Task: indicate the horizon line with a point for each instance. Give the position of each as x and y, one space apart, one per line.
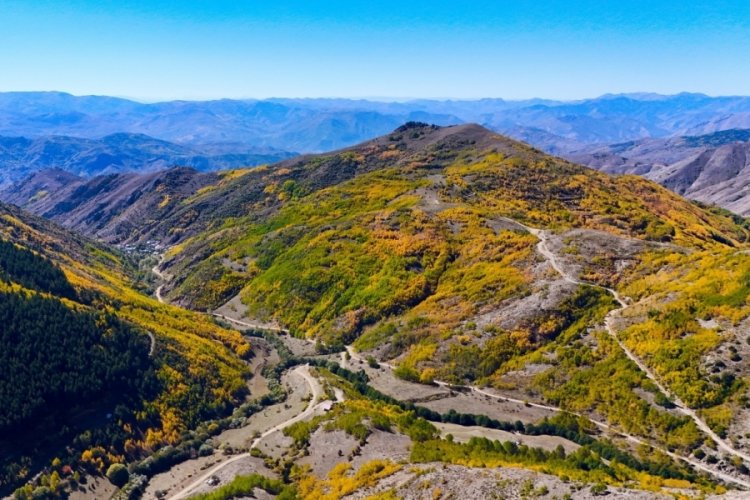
644 95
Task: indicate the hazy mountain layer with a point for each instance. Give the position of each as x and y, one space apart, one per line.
121 152
309 125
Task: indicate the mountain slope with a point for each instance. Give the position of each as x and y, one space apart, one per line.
711 168
81 343
457 255
113 208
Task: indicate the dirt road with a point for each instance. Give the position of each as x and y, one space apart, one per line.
317 393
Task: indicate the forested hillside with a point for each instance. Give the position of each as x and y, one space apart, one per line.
98 373
458 255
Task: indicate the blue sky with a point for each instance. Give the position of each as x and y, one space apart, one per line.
187 49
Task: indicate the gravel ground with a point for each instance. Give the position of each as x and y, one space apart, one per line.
454 481
330 448
384 381
96 488
327 449
246 465
482 405
462 434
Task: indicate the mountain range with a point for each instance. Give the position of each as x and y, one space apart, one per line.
120 152
438 302
313 125
710 168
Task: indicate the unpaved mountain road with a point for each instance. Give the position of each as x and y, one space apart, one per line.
552 258
256 325
602 425
317 393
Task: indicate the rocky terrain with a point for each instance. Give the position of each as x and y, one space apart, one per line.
712 168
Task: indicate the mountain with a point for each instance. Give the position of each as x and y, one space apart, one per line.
121 152
438 302
114 208
453 255
710 168
314 125
254 124
94 371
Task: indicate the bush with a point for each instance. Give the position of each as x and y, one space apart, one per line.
118 475
599 489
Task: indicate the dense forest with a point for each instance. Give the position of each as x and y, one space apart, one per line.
67 366
57 358
32 271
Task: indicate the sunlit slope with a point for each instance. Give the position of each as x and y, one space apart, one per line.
418 222
416 247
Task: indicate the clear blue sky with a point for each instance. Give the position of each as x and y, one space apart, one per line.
396 49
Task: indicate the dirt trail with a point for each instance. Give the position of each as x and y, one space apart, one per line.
602 425
155 270
153 344
550 256
257 325
317 393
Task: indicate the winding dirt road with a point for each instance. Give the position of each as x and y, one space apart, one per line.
153 343
257 326
155 270
550 256
317 393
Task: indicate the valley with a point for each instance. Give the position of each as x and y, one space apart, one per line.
374 250
431 302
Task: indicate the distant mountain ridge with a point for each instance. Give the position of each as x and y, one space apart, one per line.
114 207
315 125
120 152
712 168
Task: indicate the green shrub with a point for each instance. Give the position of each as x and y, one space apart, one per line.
118 475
